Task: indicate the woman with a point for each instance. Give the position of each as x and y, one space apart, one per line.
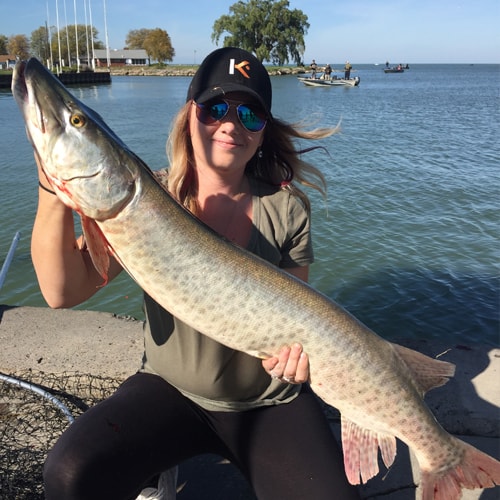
231 164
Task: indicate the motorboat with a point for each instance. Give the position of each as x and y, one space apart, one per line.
331 82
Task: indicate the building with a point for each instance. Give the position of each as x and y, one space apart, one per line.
122 57
7 61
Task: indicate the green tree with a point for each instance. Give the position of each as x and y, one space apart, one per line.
267 28
158 45
135 38
40 44
3 44
84 35
19 46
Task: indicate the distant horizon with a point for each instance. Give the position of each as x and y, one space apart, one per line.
306 63
356 63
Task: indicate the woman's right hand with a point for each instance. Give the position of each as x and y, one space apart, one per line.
63 266
290 365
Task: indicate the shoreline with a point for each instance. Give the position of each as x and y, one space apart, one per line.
185 71
58 341
104 75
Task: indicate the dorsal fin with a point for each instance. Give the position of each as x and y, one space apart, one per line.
427 372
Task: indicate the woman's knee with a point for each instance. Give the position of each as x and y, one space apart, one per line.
62 476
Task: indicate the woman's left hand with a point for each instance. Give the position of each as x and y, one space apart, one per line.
291 365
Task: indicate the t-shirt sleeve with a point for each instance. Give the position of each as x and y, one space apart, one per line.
297 247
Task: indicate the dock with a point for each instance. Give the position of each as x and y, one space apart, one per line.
82 78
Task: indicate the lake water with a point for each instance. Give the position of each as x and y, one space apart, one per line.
409 237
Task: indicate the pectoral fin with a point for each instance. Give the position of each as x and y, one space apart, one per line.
97 246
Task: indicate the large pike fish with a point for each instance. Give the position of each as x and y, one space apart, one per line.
240 300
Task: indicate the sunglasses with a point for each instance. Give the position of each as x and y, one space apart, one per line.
252 117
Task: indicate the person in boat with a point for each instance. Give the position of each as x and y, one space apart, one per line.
235 166
314 68
328 72
347 70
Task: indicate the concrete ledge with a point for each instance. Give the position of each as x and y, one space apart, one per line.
57 341
62 340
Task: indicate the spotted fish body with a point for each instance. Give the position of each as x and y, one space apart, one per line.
240 300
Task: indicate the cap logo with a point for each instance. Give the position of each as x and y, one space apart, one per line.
241 67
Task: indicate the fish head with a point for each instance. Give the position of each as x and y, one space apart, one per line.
89 167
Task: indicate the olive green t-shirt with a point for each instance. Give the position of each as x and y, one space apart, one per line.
214 376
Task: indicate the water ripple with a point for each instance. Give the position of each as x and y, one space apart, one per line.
409 237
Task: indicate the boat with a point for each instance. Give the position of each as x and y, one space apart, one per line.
395 69
333 82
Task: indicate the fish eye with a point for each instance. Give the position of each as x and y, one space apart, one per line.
77 120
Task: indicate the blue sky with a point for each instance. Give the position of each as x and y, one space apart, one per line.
363 31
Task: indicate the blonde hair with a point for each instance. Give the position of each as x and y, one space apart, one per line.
278 162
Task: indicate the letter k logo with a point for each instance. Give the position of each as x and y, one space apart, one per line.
242 67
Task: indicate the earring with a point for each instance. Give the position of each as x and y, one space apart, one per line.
260 154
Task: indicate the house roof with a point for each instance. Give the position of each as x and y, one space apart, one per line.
121 54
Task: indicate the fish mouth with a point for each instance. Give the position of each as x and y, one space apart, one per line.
19 87
38 115
25 98
80 177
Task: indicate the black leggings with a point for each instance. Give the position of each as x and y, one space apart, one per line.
148 426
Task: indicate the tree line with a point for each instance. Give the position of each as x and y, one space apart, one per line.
49 44
268 28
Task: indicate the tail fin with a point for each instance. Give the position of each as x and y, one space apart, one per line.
476 470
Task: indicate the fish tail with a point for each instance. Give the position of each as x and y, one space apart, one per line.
475 470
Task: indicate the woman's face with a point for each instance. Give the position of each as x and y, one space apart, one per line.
224 145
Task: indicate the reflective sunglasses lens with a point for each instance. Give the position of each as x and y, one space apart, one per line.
218 110
252 120
210 113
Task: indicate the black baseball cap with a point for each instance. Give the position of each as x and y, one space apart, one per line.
231 70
